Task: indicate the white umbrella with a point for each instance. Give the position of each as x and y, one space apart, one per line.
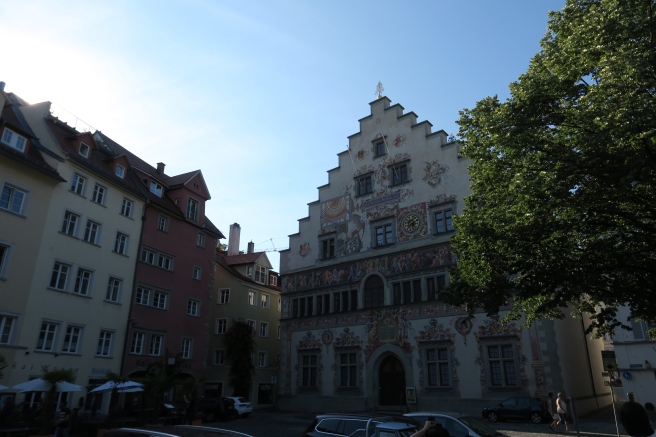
41 385
2 387
121 386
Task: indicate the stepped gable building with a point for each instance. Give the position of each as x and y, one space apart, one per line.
244 289
364 324
171 299
73 245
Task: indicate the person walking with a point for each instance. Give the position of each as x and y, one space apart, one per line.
190 400
551 406
561 409
63 421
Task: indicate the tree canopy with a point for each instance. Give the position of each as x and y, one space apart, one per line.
240 345
563 210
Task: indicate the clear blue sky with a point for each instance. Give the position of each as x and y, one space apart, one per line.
261 95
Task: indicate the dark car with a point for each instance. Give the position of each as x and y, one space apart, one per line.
211 410
518 408
348 424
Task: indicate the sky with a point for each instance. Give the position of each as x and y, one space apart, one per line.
260 95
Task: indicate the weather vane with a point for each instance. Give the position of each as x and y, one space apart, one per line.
379 89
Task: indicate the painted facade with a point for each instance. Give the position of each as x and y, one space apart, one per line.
243 290
363 322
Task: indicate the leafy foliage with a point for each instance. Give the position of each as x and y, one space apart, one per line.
563 209
52 377
240 345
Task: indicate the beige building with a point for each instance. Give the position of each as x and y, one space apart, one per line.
364 322
244 290
76 296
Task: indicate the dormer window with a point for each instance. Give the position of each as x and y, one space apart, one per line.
192 209
12 139
260 274
156 189
84 150
120 171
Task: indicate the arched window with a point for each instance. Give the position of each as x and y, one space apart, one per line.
374 292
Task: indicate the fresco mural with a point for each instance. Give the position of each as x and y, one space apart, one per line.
436 174
388 326
400 262
419 227
433 332
335 211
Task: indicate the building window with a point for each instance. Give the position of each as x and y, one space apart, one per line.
137 345
264 329
104 348
120 171
84 150
261 359
185 351
251 323
279 304
192 209
91 232
443 221
82 282
13 140
406 292
328 248
99 194
260 274
114 290
156 189
196 273
348 369
278 335
379 148
308 371
224 295
70 223
163 223
159 300
77 185
72 339
156 342
398 174
273 280
200 240
219 357
221 326
384 234
434 286
12 199
143 296
165 262
6 329
121 243
363 185
252 296
437 366
126 207
59 276
156 258
501 364
193 307
264 298
46 341
374 292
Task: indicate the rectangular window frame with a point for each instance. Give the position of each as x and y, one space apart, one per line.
186 348
399 173
501 372
121 243
7 325
105 345
72 339
69 225
127 206
13 199
224 296
83 282
328 246
137 343
261 359
196 273
442 220
193 209
78 184
221 325
193 308
438 359
309 364
218 357
99 194
59 276
364 184
14 140
264 300
347 368
92 232
114 289
156 344
47 340
264 330
252 298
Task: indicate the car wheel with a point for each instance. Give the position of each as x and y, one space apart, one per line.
492 416
209 417
536 418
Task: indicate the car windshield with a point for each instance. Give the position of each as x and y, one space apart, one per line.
479 427
407 432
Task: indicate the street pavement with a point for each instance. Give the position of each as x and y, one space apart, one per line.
271 423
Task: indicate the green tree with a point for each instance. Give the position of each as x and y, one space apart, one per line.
52 377
563 209
240 345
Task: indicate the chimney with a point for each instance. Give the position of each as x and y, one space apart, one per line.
233 239
160 168
251 247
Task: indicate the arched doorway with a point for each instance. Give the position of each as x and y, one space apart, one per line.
391 380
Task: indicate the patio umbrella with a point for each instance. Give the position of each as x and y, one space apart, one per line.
41 385
2 387
121 386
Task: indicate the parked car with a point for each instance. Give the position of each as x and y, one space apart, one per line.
518 408
172 411
242 405
458 425
330 424
213 409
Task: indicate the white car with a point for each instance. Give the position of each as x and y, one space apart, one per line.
242 405
458 425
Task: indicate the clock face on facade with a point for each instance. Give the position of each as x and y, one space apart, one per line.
411 222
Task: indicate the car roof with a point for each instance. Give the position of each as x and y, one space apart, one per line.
395 425
435 413
353 416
